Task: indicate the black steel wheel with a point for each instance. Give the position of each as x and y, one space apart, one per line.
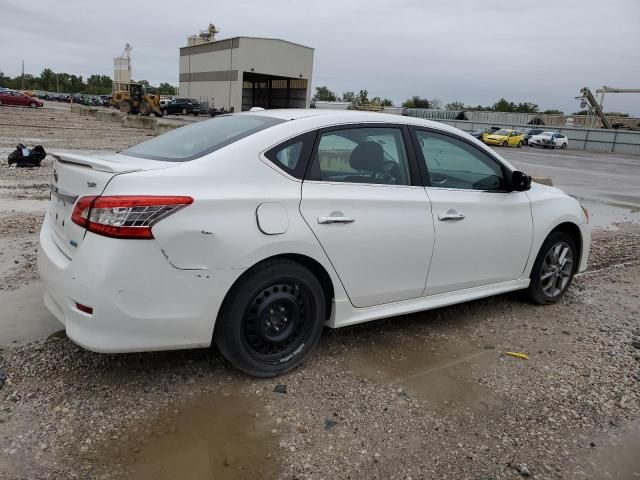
271 319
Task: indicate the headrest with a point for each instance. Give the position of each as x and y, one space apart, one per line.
367 156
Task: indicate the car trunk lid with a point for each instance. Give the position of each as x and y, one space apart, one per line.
78 175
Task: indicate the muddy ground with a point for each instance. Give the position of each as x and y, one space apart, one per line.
424 396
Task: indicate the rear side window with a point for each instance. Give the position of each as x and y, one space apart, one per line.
198 139
292 156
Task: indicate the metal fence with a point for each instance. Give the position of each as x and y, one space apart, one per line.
596 139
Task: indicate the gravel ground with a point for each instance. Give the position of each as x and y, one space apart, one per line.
424 396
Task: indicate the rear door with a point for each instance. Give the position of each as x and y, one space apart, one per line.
483 231
364 203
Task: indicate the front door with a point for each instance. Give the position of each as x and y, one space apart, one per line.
483 232
374 225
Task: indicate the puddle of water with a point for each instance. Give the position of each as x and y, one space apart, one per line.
605 216
217 437
439 371
618 457
23 316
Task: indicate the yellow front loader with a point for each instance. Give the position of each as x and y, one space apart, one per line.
133 99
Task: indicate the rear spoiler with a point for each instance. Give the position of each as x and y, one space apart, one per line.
108 164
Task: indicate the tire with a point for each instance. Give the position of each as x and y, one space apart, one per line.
33 105
144 109
165 112
125 107
185 111
505 144
563 146
0 103
272 319
520 144
558 276
195 114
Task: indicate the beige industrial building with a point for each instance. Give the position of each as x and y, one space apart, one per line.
244 72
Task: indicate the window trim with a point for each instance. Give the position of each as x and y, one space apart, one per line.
308 140
422 163
412 162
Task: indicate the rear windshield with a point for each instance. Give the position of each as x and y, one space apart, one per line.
198 139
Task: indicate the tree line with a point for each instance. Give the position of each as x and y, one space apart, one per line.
51 81
323 93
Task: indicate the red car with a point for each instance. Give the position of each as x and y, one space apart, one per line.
10 97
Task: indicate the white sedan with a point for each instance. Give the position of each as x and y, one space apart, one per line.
253 231
549 140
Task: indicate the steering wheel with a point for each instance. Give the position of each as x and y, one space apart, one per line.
384 174
438 178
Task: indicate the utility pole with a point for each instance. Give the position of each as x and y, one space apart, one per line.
22 74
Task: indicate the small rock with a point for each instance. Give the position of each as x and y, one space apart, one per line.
329 424
280 388
302 429
636 344
230 460
84 449
44 447
523 470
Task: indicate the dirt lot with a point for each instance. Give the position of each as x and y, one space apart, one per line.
425 396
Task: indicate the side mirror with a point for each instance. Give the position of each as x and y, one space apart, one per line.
520 181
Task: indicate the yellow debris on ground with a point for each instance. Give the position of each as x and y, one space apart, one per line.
523 356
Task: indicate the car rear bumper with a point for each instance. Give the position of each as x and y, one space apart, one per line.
140 301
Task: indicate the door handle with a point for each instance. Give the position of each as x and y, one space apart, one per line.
336 220
452 215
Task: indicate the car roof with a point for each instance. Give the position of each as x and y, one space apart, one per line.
332 117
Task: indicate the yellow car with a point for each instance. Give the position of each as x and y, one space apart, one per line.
505 138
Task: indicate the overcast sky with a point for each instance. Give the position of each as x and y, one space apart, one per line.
466 50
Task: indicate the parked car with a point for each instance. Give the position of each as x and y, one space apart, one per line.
213 111
483 132
165 100
182 106
255 230
549 140
11 97
505 138
530 132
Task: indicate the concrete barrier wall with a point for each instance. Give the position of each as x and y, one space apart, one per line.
134 121
109 116
157 125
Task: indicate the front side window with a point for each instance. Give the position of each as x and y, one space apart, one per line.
374 155
453 163
198 139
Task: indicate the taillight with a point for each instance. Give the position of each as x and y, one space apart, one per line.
125 216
